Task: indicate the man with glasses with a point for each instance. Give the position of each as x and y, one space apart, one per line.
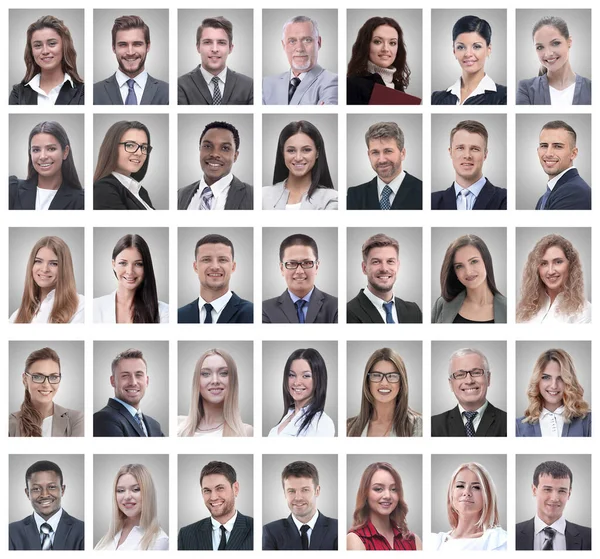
301 302
469 379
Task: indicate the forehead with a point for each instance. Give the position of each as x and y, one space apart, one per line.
44 366
218 135
551 368
213 480
467 475
43 478
300 365
131 253
298 252
44 34
135 135
135 35
549 135
383 143
47 253
214 362
555 482
384 366
383 477
130 365
553 252
469 38
43 139
214 34
546 33
213 249
299 140
385 32
466 253
464 137
294 482
472 360
382 253
126 480
299 29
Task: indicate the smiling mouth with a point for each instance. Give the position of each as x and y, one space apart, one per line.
474 389
384 391
552 393
214 164
299 390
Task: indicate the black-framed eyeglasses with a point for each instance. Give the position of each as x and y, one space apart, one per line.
304 264
38 378
392 378
132 147
461 374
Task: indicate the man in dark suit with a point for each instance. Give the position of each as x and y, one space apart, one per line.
557 150
377 304
471 190
131 84
212 82
301 302
474 416
218 189
49 527
393 188
548 530
214 263
122 416
226 528
306 528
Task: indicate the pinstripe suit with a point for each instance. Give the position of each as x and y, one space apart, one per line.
198 536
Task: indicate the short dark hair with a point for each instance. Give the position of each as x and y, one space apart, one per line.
554 469
226 126
218 22
472 126
43 466
378 241
213 239
130 353
124 23
562 125
300 469
222 468
472 24
298 239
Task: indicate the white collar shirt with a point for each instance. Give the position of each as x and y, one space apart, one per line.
394 185
552 423
50 97
134 539
208 77
299 76
216 530
218 306
132 185
560 540
45 309
220 190
43 198
552 183
486 84
53 521
477 418
475 189
311 525
378 304
549 313
139 84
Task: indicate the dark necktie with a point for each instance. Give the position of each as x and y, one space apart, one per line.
545 198
304 535
223 542
208 308
131 96
300 310
384 202
46 530
294 83
549 541
469 428
140 422
216 92
389 317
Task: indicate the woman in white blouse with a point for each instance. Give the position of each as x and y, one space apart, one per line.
304 394
134 524
552 290
50 293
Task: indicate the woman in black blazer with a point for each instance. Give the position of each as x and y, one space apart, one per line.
122 164
51 67
52 182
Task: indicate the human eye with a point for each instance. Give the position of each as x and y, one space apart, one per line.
226 148
457 266
308 40
393 43
53 263
476 487
35 490
205 374
307 375
122 263
291 41
291 374
139 264
556 43
35 149
459 47
459 485
224 374
307 149
376 41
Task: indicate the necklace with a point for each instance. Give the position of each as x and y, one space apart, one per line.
211 428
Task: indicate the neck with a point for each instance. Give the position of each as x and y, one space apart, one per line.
125 296
466 527
472 406
386 296
209 295
226 517
384 412
131 522
49 79
553 294
132 74
552 407
466 183
44 292
50 183
301 294
298 184
213 414
215 72
481 295
45 410
471 81
299 404
382 523
562 77
306 518
48 516
548 520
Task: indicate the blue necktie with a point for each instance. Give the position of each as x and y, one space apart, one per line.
389 317
465 197
208 308
299 310
545 198
140 422
469 428
206 198
131 96
384 203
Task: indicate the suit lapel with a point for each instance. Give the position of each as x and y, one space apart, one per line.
125 413
62 198
31 533
488 419
205 535
59 422
314 307
373 196
66 94
291 532
316 538
149 91
287 307
369 309
306 84
230 80
189 194
112 90
229 311
200 83
62 532
484 196
235 192
27 194
526 535
573 538
456 427
239 533
449 199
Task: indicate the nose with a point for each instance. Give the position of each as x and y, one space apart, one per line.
214 378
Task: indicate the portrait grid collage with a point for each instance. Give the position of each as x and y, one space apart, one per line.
281 340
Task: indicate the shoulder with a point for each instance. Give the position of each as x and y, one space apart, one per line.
186 78
412 180
108 181
16 94
274 79
325 425
241 79
442 98
581 529
326 197
353 542
194 527
163 311
495 538
160 83
526 523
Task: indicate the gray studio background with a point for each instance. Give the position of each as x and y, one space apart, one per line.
410 468
580 238
358 353
411 23
156 181
327 243
273 124
190 503
105 239
243 355
242 281
156 353
73 479
70 390
442 397
579 22
445 69
274 57
527 354
275 356
274 501
443 237
21 241
106 467
442 468
494 167
530 177
241 57
105 60
409 284
579 507
358 165
190 128
21 125
20 20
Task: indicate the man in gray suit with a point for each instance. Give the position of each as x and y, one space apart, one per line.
306 83
218 189
131 84
212 82
301 302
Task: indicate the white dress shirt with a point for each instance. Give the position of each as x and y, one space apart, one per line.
133 186
50 97
394 185
138 86
134 538
44 197
105 309
552 423
220 190
43 313
550 313
476 419
53 521
378 304
320 426
311 525
560 540
564 97
216 530
47 426
208 79
218 306
486 84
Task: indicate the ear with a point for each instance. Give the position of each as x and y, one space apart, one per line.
198 47
230 48
147 380
574 153
236 156
489 376
485 154
282 268
236 488
403 154
319 42
363 265
148 47
195 266
283 44
233 266
62 489
533 490
66 152
27 493
450 151
112 381
317 490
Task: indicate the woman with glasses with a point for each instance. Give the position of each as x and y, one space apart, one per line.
384 409
122 163
39 416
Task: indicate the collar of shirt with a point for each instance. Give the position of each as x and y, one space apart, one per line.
378 304
474 189
295 297
552 183
216 530
486 84
219 188
394 185
34 83
560 525
299 76
477 419
53 520
128 407
132 185
311 523
140 79
218 304
557 411
208 76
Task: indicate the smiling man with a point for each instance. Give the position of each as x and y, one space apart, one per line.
131 84
122 416
49 527
469 378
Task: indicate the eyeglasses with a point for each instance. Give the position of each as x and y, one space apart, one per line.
38 378
392 378
460 374
305 264
132 147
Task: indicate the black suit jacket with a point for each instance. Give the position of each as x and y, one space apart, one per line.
106 92
22 94
110 194
360 88
283 534
450 423
239 197
22 194
490 198
579 538
237 310
198 536
497 97
114 420
361 310
408 197
323 308
571 192
23 535
192 89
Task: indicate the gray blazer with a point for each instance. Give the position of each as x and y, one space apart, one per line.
106 92
322 309
239 197
66 423
318 87
275 198
446 311
535 91
193 90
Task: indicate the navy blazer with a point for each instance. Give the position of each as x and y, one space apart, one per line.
361 310
536 91
365 196
490 198
237 310
23 535
446 97
571 192
239 197
450 423
283 534
323 308
22 94
106 92
22 195
110 194
198 536
579 427
114 420
579 538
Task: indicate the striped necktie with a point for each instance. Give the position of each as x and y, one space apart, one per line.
469 427
216 92
46 531
206 198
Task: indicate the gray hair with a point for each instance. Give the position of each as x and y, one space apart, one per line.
385 130
468 351
300 19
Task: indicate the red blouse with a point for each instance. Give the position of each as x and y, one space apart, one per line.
374 541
